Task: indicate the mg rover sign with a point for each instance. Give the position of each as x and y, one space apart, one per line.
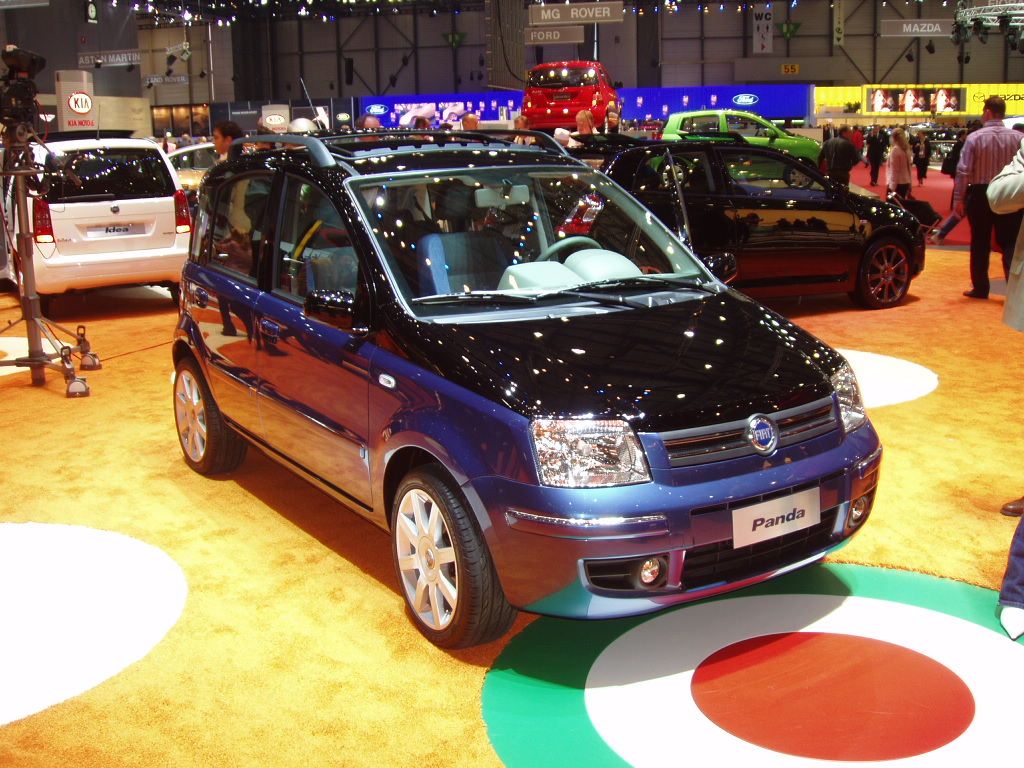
76 107
576 13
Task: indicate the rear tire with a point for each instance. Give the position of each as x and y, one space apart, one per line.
883 279
443 565
208 444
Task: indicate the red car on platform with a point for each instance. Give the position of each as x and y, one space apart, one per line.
556 91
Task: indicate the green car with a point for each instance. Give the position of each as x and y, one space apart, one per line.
754 128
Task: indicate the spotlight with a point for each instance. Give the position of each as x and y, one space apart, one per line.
98 63
930 47
171 58
202 73
1004 23
149 85
130 68
964 58
980 31
909 56
1013 38
169 72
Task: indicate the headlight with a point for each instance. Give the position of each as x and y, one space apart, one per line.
588 453
851 406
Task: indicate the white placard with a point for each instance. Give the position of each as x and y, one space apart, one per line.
763 29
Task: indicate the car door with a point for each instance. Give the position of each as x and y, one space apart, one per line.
224 294
756 131
313 376
709 224
793 227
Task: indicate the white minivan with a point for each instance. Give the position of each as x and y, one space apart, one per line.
117 216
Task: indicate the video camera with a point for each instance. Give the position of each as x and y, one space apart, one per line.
18 98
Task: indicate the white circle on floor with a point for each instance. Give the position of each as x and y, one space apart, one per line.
640 683
77 606
888 380
12 347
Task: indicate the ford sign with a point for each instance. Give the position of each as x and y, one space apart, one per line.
745 99
377 109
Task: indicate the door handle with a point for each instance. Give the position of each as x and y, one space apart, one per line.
202 298
270 330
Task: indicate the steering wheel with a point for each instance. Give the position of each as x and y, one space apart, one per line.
575 242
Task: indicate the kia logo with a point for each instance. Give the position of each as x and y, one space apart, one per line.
274 120
377 109
80 103
745 99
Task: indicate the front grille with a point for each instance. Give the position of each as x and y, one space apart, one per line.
718 442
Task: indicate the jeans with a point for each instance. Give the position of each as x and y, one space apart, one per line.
1012 593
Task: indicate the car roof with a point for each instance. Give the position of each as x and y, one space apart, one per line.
575 64
383 152
189 148
740 112
83 143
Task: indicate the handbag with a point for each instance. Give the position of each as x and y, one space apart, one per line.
1013 309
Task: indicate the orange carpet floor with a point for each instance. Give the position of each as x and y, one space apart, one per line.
293 648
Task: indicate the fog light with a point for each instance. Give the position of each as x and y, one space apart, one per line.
650 571
859 510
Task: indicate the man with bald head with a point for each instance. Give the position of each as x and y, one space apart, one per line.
470 122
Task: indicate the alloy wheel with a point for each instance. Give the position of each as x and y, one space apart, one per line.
888 274
190 415
427 560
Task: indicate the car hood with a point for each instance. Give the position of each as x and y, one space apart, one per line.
882 213
703 360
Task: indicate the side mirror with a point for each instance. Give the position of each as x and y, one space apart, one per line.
336 308
722 265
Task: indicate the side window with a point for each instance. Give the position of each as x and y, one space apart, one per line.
314 249
694 171
238 223
759 175
745 126
702 124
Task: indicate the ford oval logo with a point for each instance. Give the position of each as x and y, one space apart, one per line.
745 99
763 434
377 109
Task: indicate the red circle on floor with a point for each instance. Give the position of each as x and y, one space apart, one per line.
832 697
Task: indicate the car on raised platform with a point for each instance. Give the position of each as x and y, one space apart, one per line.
792 231
497 355
558 90
754 128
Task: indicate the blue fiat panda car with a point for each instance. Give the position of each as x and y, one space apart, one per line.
502 359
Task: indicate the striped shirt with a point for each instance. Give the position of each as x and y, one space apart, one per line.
985 153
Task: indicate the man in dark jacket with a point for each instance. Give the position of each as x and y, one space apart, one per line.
876 143
838 156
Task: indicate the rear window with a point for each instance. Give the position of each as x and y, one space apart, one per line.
563 77
111 174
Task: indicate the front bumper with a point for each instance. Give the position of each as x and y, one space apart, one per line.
548 564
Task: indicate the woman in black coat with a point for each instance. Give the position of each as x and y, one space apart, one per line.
922 155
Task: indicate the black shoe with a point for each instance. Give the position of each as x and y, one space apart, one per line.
975 294
1013 508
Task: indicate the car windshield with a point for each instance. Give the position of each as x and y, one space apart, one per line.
104 173
563 77
478 238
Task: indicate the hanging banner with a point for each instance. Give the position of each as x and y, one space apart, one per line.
762 28
838 22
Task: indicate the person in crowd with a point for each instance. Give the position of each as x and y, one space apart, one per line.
611 121
949 163
1005 195
585 123
897 169
445 127
876 144
985 152
857 139
838 156
421 123
922 156
367 122
563 137
168 143
522 123
186 141
224 133
470 121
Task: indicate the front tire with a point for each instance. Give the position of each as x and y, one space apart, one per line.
443 565
883 279
208 444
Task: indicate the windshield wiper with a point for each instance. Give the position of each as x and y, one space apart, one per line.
474 298
707 286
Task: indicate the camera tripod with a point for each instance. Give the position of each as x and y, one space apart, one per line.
19 164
